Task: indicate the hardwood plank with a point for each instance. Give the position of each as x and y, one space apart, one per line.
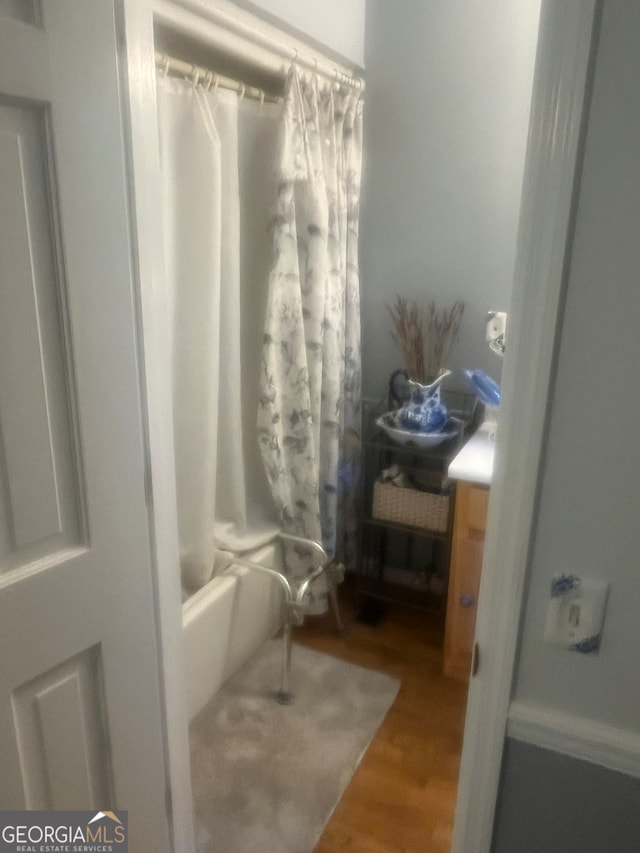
402 797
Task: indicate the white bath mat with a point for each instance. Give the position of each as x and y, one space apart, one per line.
266 777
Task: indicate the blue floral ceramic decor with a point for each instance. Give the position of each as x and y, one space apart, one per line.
562 584
575 614
410 438
424 412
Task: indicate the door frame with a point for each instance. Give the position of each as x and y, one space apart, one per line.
137 72
561 89
561 84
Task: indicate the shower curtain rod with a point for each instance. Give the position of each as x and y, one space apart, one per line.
170 64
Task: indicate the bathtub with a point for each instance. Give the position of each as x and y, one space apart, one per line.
225 622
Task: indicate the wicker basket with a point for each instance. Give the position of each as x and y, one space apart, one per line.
411 507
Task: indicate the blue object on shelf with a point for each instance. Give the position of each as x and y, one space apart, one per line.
484 387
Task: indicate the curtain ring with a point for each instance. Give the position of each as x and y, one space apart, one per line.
164 67
195 75
208 80
261 98
241 92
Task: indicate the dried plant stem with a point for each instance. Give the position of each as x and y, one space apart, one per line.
424 337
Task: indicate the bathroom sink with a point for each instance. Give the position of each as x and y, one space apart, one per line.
474 462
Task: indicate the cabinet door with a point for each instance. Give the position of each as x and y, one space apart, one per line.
472 502
462 607
477 506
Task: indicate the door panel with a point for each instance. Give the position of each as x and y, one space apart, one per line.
80 708
39 508
62 736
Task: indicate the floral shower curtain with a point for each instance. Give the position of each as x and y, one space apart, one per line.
309 412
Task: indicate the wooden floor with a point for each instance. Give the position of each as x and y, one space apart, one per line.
402 796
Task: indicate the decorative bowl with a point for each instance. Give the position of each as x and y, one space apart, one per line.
411 438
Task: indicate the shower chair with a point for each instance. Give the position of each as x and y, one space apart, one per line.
294 607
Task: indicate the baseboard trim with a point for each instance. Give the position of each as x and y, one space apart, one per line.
578 737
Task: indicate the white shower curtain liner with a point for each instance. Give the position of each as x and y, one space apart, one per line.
223 501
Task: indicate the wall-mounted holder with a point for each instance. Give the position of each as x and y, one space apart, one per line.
575 615
496 331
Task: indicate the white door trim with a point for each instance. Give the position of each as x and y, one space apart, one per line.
238 32
139 89
556 131
228 27
578 737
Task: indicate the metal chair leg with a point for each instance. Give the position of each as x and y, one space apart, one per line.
335 575
284 696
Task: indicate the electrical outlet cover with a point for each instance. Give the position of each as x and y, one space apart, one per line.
575 615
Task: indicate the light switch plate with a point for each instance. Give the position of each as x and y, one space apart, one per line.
575 615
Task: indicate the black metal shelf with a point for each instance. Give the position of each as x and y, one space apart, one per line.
409 596
405 528
417 549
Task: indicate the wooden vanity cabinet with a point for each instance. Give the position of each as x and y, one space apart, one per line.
467 547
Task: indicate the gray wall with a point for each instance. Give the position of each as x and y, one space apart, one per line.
590 497
554 804
446 119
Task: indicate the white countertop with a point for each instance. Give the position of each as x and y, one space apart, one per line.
474 462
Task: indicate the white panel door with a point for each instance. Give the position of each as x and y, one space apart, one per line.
80 707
